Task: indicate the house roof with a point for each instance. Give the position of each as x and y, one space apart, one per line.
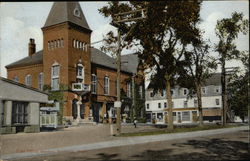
215 79
97 57
22 85
65 12
131 61
36 58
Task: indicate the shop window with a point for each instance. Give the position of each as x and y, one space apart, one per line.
19 112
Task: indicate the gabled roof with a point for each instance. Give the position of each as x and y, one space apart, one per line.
64 12
100 58
36 58
97 57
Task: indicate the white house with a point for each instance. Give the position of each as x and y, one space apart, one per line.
184 106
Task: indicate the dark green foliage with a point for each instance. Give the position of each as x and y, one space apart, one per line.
58 96
239 91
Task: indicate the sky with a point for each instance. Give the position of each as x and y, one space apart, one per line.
20 21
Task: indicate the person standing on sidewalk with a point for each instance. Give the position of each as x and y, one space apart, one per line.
135 121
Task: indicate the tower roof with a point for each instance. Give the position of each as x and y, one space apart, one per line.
66 12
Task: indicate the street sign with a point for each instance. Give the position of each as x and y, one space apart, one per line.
117 104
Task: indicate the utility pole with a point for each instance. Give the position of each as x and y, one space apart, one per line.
121 18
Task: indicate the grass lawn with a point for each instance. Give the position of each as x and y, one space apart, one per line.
176 130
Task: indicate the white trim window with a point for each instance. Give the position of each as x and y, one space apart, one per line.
159 105
128 89
106 85
28 80
217 102
203 90
185 92
40 81
93 83
185 103
217 89
163 93
195 103
55 71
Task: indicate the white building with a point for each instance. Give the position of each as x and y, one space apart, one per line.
184 106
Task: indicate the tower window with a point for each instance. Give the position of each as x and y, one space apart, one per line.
62 43
55 77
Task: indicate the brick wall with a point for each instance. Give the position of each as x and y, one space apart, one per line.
21 72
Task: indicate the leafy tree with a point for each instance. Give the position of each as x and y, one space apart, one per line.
199 67
227 31
239 91
162 37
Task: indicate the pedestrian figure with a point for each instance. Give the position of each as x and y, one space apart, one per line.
135 121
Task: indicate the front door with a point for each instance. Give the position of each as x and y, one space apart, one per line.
95 110
74 108
179 117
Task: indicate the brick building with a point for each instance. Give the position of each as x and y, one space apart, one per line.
69 65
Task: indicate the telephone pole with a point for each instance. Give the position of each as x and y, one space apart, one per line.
121 18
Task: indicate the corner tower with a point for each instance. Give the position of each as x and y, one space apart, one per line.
66 39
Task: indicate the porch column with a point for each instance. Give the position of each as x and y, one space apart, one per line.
8 114
1 111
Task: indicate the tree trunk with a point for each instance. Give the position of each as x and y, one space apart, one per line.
198 88
170 107
223 89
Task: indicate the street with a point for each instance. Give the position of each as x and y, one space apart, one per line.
221 144
230 146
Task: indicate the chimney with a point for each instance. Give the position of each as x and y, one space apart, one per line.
32 47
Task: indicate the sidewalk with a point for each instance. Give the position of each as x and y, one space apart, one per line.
122 142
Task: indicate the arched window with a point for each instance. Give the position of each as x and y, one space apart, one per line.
52 45
62 43
48 45
106 85
93 83
58 43
40 81
80 73
77 44
28 80
74 43
55 44
80 45
55 75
